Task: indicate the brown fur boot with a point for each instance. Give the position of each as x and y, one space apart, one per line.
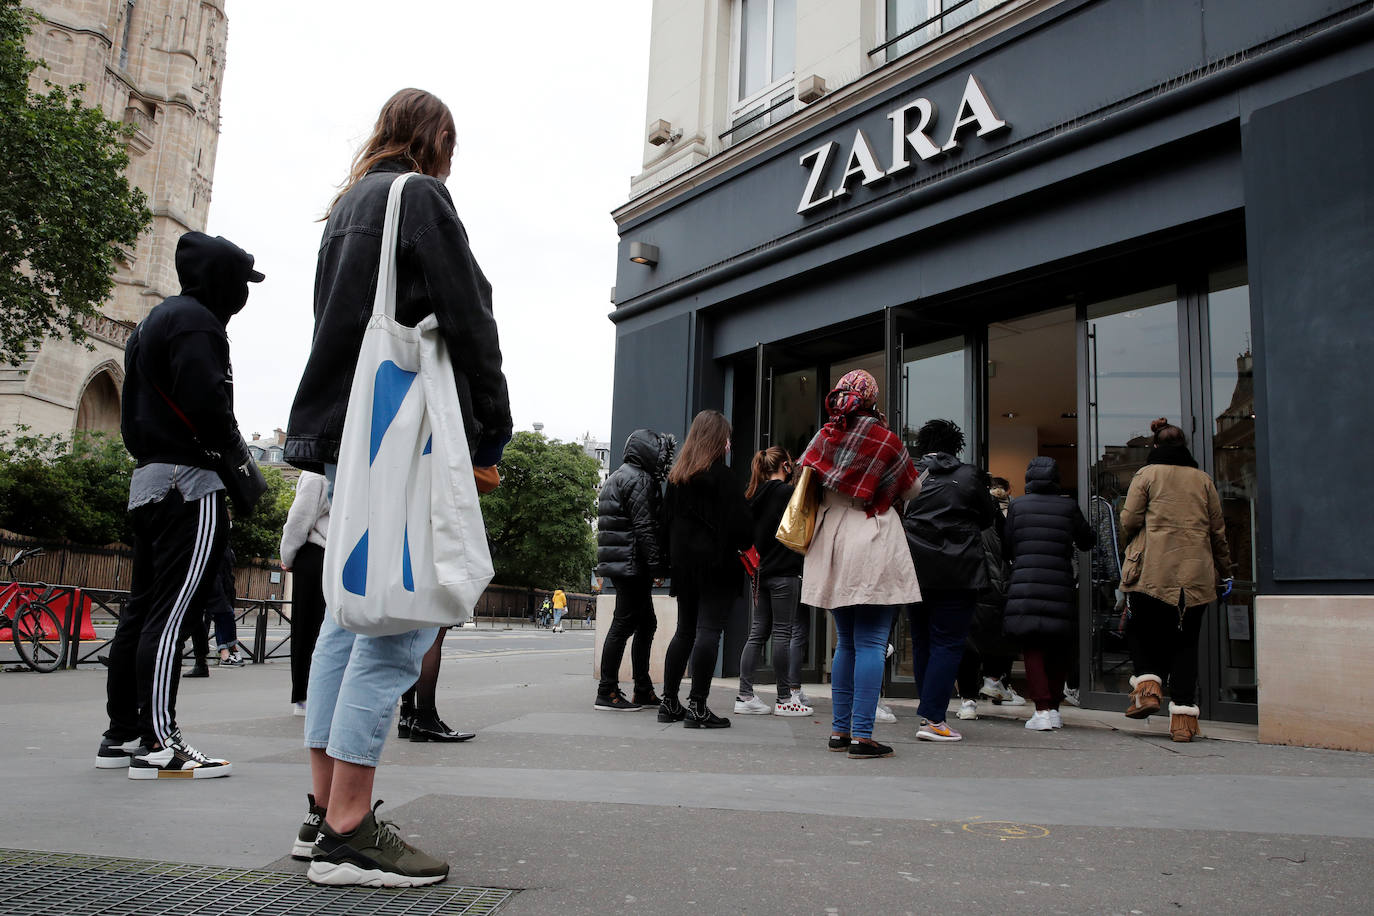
1183 722
1147 695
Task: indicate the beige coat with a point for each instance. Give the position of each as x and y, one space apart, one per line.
854 559
1176 537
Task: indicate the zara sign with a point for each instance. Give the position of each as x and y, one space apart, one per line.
911 128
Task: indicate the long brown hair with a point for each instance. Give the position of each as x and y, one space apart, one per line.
414 125
705 446
766 463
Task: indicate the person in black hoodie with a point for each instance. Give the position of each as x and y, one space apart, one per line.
778 595
944 528
177 419
708 524
631 553
1043 528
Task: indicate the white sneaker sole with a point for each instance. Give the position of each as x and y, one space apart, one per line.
614 709
301 849
1047 727
931 736
747 711
793 713
112 763
193 773
966 716
344 874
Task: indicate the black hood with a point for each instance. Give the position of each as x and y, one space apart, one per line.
648 451
939 463
1042 475
215 272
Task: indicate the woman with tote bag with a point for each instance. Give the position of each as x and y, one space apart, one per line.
393 200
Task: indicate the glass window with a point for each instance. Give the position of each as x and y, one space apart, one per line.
934 386
904 15
753 47
1232 384
765 51
1133 378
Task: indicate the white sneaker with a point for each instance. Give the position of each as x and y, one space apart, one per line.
968 709
752 707
1071 696
297 709
993 689
884 714
1056 719
1012 698
1040 722
800 696
791 707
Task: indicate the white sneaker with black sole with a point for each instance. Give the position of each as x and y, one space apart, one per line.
178 760
115 755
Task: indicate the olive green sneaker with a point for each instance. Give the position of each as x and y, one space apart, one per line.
304 845
373 855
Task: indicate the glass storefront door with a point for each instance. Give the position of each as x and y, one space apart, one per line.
1133 377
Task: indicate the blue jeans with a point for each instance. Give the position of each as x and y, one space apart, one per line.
939 626
558 613
856 673
355 683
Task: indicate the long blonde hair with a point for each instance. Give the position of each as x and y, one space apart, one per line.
766 463
413 125
705 446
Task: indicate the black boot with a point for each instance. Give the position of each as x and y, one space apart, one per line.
698 716
199 669
670 710
403 721
427 726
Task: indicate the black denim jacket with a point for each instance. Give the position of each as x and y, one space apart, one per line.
436 273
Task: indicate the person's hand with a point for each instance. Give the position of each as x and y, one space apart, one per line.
284 567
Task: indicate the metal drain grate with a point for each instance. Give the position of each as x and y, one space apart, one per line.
48 883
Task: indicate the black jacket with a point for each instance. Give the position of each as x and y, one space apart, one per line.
436 274
1043 527
767 506
944 524
629 513
708 524
181 351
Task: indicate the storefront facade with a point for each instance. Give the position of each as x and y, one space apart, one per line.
1085 216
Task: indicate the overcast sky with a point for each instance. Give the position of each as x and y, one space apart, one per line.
550 112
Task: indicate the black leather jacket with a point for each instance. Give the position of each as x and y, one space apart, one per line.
945 523
629 539
436 273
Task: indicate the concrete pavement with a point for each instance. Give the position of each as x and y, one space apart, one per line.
597 812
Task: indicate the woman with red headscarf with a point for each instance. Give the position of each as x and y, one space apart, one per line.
858 566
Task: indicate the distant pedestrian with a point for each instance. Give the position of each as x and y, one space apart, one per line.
1043 528
708 524
779 590
560 607
303 540
356 680
858 566
177 420
1176 552
631 551
985 671
219 610
944 527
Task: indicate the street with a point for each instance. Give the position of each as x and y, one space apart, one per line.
586 811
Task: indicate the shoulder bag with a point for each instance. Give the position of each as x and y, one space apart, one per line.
798 523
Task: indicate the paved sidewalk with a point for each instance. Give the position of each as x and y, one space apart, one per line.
595 812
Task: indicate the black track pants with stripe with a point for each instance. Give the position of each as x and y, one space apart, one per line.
178 546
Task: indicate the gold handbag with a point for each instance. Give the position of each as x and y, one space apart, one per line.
799 518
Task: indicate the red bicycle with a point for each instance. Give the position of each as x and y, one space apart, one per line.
35 628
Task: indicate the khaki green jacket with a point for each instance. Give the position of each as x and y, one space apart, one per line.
1176 535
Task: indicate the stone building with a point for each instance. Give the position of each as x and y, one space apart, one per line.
156 65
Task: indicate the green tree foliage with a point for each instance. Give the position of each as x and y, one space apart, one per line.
539 521
259 534
66 210
67 489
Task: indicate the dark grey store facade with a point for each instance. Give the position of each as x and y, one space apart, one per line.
1163 209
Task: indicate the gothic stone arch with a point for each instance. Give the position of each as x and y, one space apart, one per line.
97 410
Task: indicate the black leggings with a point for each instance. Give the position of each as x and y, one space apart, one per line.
701 617
1164 643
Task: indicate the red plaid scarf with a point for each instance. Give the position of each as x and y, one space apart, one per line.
857 455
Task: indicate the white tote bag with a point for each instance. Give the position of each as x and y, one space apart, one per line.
407 546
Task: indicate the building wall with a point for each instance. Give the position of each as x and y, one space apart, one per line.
157 65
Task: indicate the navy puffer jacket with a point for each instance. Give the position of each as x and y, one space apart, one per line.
1042 529
629 535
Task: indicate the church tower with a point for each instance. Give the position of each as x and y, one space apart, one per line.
158 66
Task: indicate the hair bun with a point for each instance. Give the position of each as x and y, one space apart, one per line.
1157 425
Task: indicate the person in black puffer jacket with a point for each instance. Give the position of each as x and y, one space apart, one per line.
944 529
631 552
1043 528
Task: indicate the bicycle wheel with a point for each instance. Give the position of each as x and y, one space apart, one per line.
39 637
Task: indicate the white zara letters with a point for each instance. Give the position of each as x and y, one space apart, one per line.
911 126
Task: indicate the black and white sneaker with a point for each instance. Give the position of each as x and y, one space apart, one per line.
310 829
115 755
615 702
177 760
